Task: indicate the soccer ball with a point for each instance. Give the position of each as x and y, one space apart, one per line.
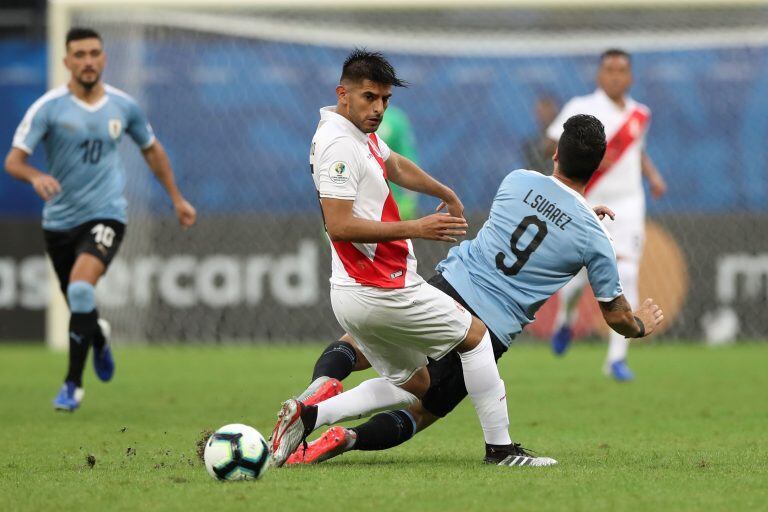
236 452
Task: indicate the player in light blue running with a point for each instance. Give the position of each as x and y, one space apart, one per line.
81 125
539 234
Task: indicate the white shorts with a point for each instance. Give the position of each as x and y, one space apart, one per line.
628 237
397 329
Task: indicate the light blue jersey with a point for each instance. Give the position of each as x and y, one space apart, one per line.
538 235
81 149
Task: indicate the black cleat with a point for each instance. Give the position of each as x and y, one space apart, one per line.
514 455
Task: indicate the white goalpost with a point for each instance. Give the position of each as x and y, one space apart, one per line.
227 86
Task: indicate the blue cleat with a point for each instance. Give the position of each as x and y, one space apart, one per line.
620 371
103 363
69 397
561 340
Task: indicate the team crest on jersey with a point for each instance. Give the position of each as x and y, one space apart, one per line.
339 173
115 128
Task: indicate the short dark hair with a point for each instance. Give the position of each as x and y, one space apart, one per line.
581 147
615 52
78 33
362 64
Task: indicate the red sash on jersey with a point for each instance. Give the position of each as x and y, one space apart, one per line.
632 129
390 261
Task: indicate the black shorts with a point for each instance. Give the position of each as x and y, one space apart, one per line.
446 388
101 238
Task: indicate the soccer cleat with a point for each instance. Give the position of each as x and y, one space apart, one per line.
103 363
514 455
619 371
289 432
69 397
321 389
334 442
561 340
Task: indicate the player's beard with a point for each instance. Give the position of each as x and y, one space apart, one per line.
88 85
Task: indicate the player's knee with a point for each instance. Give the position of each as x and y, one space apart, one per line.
418 384
474 335
81 296
361 362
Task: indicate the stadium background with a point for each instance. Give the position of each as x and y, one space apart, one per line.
233 94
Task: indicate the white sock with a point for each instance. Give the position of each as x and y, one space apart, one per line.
618 346
486 390
567 306
371 396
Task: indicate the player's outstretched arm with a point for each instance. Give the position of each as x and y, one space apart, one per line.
343 226
404 172
633 324
44 184
652 174
157 160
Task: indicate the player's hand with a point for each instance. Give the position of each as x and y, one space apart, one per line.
454 206
440 226
46 186
658 186
650 314
185 212
601 211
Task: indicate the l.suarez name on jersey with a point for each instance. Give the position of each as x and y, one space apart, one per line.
547 209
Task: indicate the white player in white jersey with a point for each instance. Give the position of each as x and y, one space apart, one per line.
396 319
618 183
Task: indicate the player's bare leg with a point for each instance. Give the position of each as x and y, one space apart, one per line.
84 328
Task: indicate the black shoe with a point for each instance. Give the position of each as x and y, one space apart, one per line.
514 455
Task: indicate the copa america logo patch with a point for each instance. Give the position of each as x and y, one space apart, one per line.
339 173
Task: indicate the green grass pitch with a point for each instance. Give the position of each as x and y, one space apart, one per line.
689 434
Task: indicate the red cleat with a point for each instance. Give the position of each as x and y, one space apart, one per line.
320 390
334 442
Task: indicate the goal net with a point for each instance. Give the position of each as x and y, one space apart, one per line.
233 93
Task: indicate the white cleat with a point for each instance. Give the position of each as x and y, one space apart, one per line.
288 433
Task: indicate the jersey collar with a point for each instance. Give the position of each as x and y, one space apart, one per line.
628 101
329 114
90 107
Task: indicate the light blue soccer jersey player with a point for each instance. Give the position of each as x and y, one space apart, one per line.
80 126
540 232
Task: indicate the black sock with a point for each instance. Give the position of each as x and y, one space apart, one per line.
309 417
337 361
82 330
385 430
98 337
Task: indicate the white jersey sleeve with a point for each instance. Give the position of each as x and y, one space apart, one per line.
555 130
338 170
384 149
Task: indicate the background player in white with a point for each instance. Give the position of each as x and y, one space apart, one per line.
81 124
540 232
618 184
396 319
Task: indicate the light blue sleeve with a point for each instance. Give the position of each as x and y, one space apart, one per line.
600 260
138 126
32 129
